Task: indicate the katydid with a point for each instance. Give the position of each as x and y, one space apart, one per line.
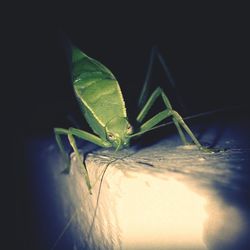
102 104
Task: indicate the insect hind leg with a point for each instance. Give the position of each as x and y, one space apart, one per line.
169 112
154 55
177 118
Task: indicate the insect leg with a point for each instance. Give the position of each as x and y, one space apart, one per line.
179 119
58 132
145 90
81 163
149 125
89 137
159 93
83 135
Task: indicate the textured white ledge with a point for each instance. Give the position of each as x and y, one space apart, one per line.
160 197
140 207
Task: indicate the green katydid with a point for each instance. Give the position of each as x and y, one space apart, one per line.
103 107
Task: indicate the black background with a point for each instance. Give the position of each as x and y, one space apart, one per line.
206 47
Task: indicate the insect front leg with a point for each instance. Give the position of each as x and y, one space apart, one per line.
83 135
58 133
81 162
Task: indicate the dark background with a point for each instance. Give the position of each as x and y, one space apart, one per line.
206 47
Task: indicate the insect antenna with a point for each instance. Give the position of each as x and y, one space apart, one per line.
98 198
64 230
99 191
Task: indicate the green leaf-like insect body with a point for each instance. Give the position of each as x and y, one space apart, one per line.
102 103
100 98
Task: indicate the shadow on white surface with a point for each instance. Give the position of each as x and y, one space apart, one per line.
163 196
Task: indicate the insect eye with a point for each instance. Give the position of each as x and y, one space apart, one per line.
129 129
111 136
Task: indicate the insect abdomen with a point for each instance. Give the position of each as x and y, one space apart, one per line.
96 89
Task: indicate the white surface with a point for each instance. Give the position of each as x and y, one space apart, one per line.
160 197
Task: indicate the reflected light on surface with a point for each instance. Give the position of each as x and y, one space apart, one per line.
185 202
164 214
160 197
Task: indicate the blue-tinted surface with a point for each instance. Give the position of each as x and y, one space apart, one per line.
228 173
